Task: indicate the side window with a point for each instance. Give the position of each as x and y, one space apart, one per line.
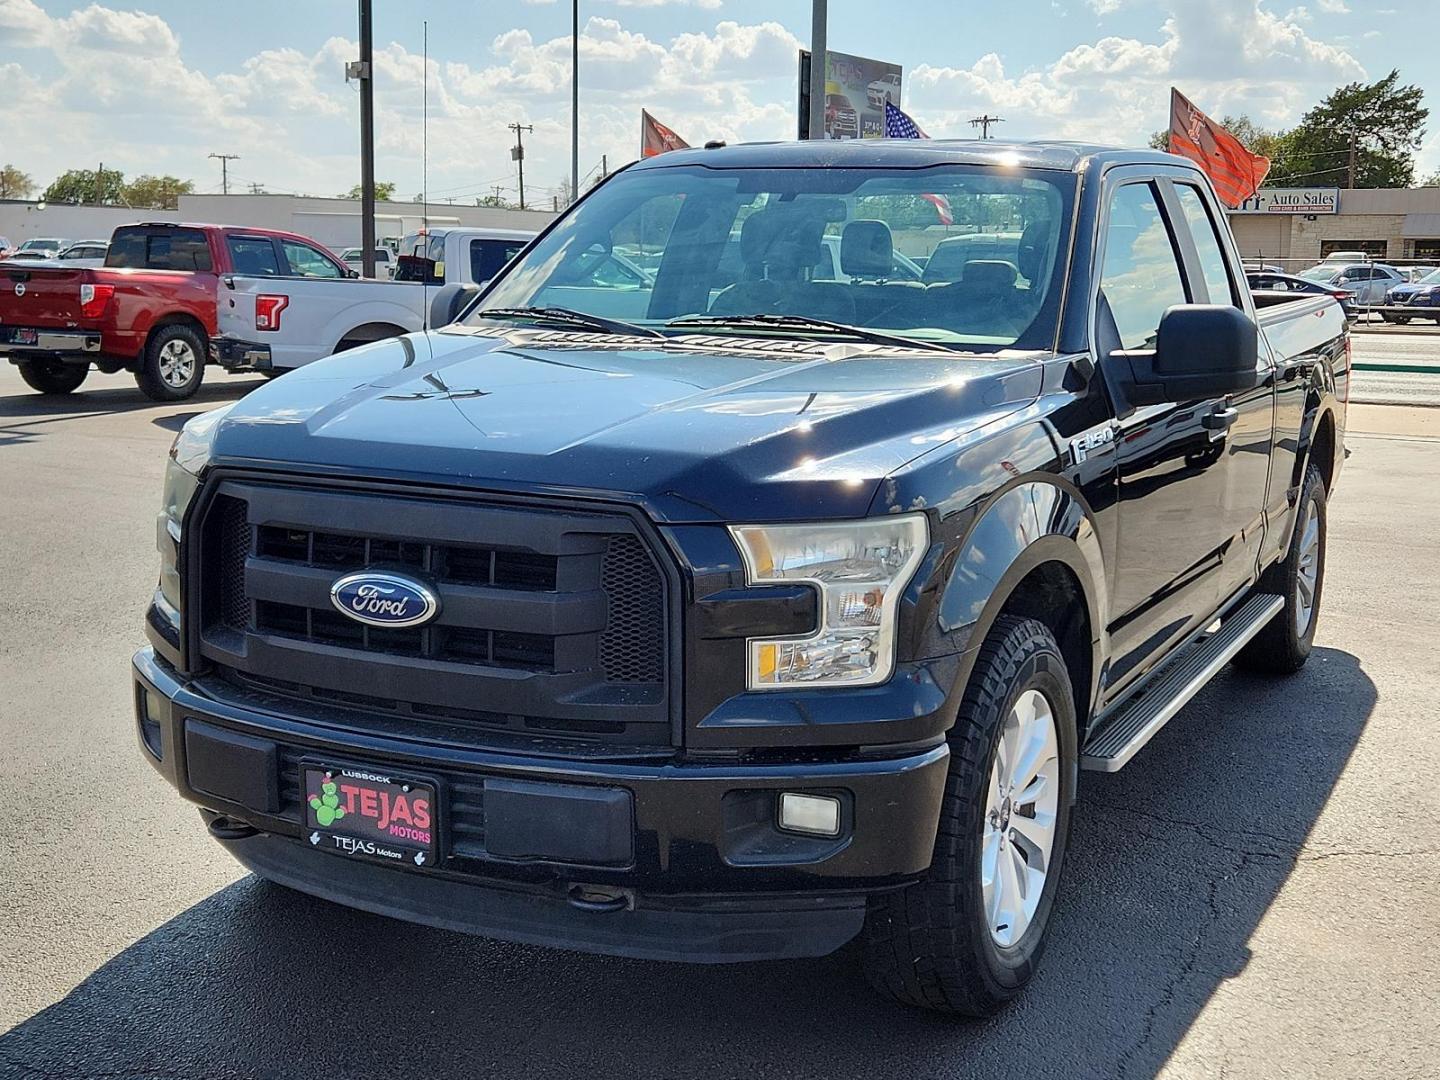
253 256
305 261
179 249
1207 245
488 257
1140 277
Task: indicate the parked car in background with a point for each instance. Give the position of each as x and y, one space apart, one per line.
273 326
40 247
151 309
1415 273
1266 281
1367 283
354 258
1260 267
444 256
1346 257
841 119
1422 295
85 253
4 246
884 89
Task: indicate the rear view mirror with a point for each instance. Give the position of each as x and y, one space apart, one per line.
1201 351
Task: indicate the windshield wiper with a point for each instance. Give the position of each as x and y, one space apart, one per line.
570 318
804 322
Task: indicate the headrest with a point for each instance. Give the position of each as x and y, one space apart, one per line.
867 250
1031 254
779 243
992 274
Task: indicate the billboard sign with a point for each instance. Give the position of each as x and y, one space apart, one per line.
856 90
1291 201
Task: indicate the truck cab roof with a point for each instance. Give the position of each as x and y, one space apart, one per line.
910 154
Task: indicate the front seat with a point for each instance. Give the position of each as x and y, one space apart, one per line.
777 248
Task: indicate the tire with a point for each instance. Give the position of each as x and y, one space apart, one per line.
53 376
173 364
1398 320
1284 645
932 944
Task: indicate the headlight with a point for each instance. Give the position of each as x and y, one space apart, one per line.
860 569
189 455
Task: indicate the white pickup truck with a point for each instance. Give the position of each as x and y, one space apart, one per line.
271 324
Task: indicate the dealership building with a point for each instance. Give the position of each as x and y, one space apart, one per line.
1297 227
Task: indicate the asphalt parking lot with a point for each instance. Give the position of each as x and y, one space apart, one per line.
1257 895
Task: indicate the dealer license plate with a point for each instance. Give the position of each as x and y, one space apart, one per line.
368 814
24 335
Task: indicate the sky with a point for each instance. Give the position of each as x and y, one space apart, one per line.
156 87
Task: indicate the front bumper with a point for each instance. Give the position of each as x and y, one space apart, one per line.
232 354
61 344
693 868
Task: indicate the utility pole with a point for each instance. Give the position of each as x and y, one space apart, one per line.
100 182
517 154
363 71
983 123
574 100
1353 141
225 160
818 19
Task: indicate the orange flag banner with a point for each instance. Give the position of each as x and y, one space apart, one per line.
1234 170
656 138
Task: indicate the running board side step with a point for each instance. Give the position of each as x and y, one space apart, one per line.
1121 736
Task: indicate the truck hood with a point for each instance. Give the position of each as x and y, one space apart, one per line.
698 428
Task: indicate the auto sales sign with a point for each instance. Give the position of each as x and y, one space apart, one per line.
1291 201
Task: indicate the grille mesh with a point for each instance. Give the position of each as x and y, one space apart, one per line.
234 547
631 648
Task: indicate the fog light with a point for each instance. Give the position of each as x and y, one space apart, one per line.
152 708
815 815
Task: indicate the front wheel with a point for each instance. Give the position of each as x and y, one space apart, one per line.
53 376
173 364
969 936
1284 645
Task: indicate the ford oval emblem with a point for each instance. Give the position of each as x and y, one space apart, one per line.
388 600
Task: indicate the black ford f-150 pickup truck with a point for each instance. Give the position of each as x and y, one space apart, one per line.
752 606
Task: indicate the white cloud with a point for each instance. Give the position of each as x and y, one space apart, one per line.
1333 7
289 114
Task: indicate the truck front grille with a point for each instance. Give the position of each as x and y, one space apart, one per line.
550 620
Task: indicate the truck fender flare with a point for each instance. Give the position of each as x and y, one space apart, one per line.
1028 525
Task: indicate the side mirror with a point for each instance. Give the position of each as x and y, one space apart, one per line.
1342 280
1201 351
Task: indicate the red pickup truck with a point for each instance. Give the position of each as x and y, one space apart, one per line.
150 309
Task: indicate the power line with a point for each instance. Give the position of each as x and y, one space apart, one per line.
984 121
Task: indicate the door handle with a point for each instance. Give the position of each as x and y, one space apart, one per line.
1220 419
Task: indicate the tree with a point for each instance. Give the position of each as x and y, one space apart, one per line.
105 188
157 191
384 191
1433 180
15 184
495 201
1382 123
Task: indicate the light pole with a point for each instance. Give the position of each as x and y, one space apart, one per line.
367 142
817 69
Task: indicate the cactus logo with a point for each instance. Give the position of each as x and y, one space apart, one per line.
327 804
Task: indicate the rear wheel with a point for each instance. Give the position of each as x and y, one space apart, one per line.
173 364
53 376
968 937
1284 645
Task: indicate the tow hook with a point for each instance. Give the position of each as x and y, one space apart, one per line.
599 898
229 828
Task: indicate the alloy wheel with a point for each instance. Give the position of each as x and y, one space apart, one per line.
1307 570
1021 811
177 364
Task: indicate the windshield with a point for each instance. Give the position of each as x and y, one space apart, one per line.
844 245
1432 278
1321 273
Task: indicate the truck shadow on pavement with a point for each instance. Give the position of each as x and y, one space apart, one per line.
23 416
1173 863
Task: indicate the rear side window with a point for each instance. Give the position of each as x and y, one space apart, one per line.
160 249
1207 245
253 255
305 261
1141 276
488 257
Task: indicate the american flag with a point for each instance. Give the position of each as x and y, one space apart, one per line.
899 125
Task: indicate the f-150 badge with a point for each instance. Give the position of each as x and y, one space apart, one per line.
1080 447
